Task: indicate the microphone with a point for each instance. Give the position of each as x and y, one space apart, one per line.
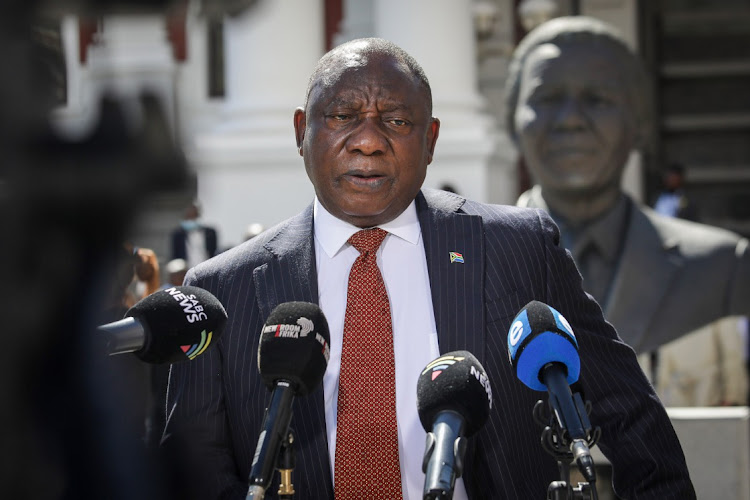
168 326
292 358
544 353
454 398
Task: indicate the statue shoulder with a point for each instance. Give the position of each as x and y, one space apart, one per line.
693 236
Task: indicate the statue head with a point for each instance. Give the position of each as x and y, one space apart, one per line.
578 102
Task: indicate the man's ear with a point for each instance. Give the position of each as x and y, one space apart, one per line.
433 130
300 124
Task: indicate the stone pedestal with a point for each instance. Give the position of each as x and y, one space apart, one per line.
716 443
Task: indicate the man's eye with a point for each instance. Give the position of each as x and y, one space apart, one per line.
398 122
340 117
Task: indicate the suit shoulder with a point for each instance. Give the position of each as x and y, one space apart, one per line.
249 254
509 215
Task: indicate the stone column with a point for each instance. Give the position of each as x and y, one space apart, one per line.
248 167
132 55
197 111
357 21
471 153
75 118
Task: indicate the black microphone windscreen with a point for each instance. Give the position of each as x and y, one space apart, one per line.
181 322
454 381
294 346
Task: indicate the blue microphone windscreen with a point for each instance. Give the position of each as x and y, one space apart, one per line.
540 335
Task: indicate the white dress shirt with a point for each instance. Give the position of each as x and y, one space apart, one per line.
195 247
402 263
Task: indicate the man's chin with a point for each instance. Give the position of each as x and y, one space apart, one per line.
364 218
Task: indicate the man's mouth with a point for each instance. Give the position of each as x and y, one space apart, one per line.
365 180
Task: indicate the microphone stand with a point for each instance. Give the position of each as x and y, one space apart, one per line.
557 442
285 465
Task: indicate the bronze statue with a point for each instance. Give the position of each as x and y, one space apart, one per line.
577 105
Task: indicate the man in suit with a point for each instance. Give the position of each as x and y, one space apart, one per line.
577 105
192 240
367 135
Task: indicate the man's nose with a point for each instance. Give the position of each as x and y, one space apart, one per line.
368 137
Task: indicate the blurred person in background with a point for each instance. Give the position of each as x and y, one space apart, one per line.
175 269
192 240
705 367
136 276
253 230
672 200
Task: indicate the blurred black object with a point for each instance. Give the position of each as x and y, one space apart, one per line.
213 7
65 209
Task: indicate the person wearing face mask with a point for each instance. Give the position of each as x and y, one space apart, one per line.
192 240
577 105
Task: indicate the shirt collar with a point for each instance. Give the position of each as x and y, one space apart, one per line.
333 233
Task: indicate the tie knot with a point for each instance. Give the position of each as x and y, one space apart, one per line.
367 240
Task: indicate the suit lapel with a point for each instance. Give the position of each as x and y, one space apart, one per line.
631 306
293 249
454 248
457 287
292 276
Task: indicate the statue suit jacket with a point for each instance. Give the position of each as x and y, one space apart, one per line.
673 276
511 256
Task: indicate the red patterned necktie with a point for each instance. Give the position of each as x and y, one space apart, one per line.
367 463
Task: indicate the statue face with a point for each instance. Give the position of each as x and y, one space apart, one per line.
575 121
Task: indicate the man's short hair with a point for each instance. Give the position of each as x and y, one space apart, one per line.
329 67
596 32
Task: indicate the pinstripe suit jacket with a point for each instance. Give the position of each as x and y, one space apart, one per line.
511 257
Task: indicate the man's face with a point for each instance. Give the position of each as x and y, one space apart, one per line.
575 122
367 138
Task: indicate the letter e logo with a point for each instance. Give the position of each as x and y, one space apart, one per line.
565 324
515 332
